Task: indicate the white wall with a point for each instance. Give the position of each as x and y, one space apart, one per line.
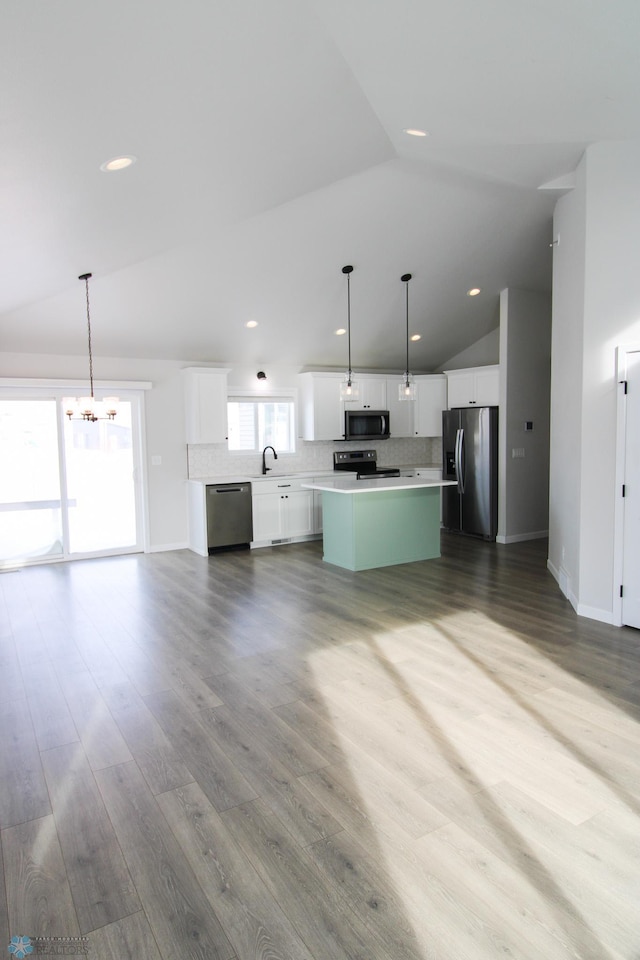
596 307
525 367
482 353
569 225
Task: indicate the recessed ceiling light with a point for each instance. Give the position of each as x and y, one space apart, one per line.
415 132
252 323
416 336
118 163
473 292
340 332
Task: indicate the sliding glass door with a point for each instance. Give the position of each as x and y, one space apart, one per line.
30 498
68 488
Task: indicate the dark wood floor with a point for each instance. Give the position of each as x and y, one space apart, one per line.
259 756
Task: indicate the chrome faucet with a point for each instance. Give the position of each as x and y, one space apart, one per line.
264 465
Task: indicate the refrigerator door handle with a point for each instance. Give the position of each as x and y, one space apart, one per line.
459 454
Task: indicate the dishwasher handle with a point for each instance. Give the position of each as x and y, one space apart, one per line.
229 488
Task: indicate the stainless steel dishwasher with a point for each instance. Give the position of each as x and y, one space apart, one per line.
229 516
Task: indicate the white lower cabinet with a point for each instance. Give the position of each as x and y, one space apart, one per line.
297 513
282 510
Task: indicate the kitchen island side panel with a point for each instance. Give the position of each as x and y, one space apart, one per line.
382 528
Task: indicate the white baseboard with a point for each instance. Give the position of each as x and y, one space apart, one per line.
162 547
563 580
561 576
595 613
519 537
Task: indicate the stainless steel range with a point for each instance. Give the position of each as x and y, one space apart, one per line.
364 463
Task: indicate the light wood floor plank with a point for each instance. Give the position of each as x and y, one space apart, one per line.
180 915
5 931
39 898
553 856
159 762
345 866
223 781
300 812
128 939
317 909
277 739
52 721
101 739
23 792
100 883
250 916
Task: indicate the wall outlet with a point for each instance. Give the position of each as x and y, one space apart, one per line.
156 460
517 453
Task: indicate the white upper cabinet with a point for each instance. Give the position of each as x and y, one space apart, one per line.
206 404
474 386
372 393
321 411
431 400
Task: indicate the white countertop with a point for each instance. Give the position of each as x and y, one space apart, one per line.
375 485
300 475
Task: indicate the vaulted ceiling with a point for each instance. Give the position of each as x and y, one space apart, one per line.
270 147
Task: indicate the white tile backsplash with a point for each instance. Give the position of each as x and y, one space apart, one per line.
214 460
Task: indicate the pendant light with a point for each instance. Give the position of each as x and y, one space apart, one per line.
88 408
407 387
349 389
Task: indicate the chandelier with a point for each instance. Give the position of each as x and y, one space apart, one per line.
88 408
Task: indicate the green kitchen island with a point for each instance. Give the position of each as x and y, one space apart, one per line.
380 521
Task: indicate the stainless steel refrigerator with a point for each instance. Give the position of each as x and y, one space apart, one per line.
470 456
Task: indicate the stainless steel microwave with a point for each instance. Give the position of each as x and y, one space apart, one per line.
366 425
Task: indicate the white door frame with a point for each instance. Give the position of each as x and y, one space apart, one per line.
622 353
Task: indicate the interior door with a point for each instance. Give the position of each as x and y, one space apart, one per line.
631 501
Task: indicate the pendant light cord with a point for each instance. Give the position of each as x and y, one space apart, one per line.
85 277
349 319
405 279
348 270
407 300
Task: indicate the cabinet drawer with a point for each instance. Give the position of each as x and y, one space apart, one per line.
276 485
